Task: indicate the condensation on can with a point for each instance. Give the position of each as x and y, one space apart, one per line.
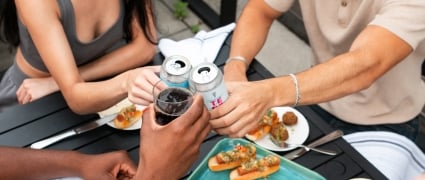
175 70
207 80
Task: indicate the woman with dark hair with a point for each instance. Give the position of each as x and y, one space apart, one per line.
68 44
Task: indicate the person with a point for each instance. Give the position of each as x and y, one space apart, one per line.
367 74
68 45
156 161
23 163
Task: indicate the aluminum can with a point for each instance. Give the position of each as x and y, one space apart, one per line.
207 80
175 71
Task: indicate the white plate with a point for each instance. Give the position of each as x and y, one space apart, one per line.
116 108
298 133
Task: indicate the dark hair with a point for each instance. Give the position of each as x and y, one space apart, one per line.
141 9
9 23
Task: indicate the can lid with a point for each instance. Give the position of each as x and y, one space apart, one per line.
205 76
176 65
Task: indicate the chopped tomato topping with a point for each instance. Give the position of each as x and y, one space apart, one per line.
120 117
258 164
242 171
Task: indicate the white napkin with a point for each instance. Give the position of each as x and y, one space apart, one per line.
394 155
204 46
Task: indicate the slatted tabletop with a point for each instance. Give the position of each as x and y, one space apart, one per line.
23 125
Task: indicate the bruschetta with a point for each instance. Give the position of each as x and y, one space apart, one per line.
256 168
127 117
264 125
233 158
279 134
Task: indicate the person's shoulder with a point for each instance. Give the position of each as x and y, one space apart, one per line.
36 4
30 9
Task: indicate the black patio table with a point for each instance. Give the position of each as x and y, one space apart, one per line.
20 126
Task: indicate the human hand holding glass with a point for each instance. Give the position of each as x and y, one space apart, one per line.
183 136
170 103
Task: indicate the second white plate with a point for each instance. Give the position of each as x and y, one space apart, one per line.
298 133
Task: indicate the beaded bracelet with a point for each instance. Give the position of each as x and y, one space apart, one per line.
297 89
238 58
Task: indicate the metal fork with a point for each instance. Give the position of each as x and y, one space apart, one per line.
307 148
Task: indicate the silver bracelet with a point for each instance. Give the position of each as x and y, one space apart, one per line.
297 89
238 58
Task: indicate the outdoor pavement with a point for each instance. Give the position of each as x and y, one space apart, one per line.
282 54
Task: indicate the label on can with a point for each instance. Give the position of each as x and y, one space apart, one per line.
175 71
184 84
215 97
207 80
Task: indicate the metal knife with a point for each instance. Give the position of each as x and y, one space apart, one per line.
78 130
327 138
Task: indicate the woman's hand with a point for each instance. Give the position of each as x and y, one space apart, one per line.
140 82
34 88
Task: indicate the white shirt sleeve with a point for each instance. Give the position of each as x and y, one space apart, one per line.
405 19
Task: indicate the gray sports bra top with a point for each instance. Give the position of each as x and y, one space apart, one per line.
83 53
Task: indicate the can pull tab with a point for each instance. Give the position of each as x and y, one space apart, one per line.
179 64
204 72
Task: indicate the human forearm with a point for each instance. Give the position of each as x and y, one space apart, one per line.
21 163
244 47
247 27
106 66
249 36
373 54
89 97
319 84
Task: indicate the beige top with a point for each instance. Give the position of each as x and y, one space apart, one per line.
332 26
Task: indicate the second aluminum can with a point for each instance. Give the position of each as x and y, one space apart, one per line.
207 79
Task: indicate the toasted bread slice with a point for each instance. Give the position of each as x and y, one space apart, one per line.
127 117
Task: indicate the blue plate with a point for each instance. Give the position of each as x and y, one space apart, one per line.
288 169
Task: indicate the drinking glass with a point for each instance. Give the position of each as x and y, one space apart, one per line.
170 103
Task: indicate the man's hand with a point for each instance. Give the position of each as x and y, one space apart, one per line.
113 165
166 152
247 103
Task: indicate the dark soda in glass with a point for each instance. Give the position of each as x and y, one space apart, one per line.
171 103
